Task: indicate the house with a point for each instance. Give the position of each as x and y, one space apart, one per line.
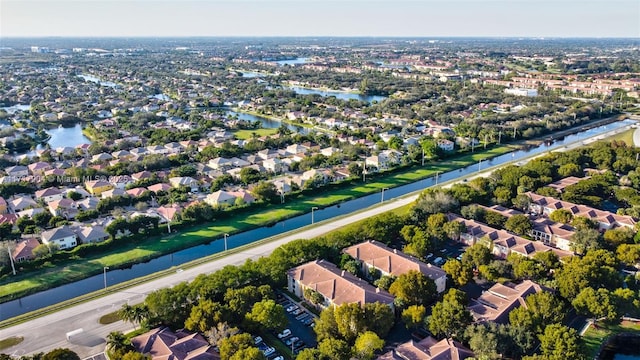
384 160
63 207
62 236
174 148
220 163
220 197
245 196
187 181
141 175
38 168
568 181
102 157
169 212
501 242
122 154
18 171
97 187
113 192
296 149
92 234
20 203
446 145
89 203
545 205
49 194
274 165
8 218
336 286
317 176
135 192
3 206
156 188
24 250
496 303
163 344
391 262
428 349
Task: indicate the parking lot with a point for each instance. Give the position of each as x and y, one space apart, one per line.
301 322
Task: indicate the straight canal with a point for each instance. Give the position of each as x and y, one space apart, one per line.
69 291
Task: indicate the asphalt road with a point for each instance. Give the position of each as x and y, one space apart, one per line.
49 332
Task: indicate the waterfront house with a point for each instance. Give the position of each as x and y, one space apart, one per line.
220 197
38 168
92 234
163 344
24 250
62 236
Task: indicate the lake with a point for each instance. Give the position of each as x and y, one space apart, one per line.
98 81
66 136
338 94
291 62
268 123
626 357
65 292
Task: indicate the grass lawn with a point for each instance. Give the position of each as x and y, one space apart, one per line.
593 337
130 252
9 342
247 134
109 318
626 136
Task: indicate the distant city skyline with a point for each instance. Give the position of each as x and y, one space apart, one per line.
398 18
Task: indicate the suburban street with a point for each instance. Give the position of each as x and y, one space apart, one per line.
49 332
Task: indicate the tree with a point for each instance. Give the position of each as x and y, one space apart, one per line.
596 303
379 318
266 191
477 255
541 309
334 349
350 320
307 354
449 316
459 272
355 170
619 236
597 269
414 288
413 316
269 315
482 341
249 175
366 345
61 354
6 230
559 342
584 240
628 254
562 216
518 224
206 315
233 344
581 222
221 331
133 355
118 344
250 353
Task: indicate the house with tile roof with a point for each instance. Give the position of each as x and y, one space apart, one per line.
24 250
391 262
49 194
336 286
428 349
92 234
97 187
501 242
155 188
163 344
220 197
496 303
3 206
545 205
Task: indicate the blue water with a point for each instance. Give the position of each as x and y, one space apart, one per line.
291 62
268 123
626 357
69 291
338 94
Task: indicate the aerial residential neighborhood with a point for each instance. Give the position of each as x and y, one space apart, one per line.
172 188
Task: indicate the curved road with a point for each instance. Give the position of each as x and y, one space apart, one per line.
49 332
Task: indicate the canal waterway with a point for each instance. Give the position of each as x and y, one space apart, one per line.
268 123
69 291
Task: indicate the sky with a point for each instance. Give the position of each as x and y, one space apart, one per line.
397 18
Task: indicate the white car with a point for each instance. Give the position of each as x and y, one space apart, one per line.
268 351
278 358
284 334
257 340
292 308
291 340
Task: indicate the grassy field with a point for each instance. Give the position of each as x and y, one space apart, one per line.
247 134
626 136
9 342
109 318
593 337
129 252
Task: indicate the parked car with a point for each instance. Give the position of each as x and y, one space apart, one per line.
302 316
257 340
298 344
291 340
269 351
297 311
308 321
292 308
279 357
284 334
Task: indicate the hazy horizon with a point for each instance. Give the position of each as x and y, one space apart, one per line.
314 18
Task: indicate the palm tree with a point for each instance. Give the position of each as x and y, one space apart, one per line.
127 313
118 344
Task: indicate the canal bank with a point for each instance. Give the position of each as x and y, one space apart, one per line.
52 296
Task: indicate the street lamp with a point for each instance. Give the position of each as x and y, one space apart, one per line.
225 241
437 172
312 209
383 189
479 164
104 272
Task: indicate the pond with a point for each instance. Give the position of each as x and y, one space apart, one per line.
15 108
291 62
343 95
98 81
63 137
268 123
